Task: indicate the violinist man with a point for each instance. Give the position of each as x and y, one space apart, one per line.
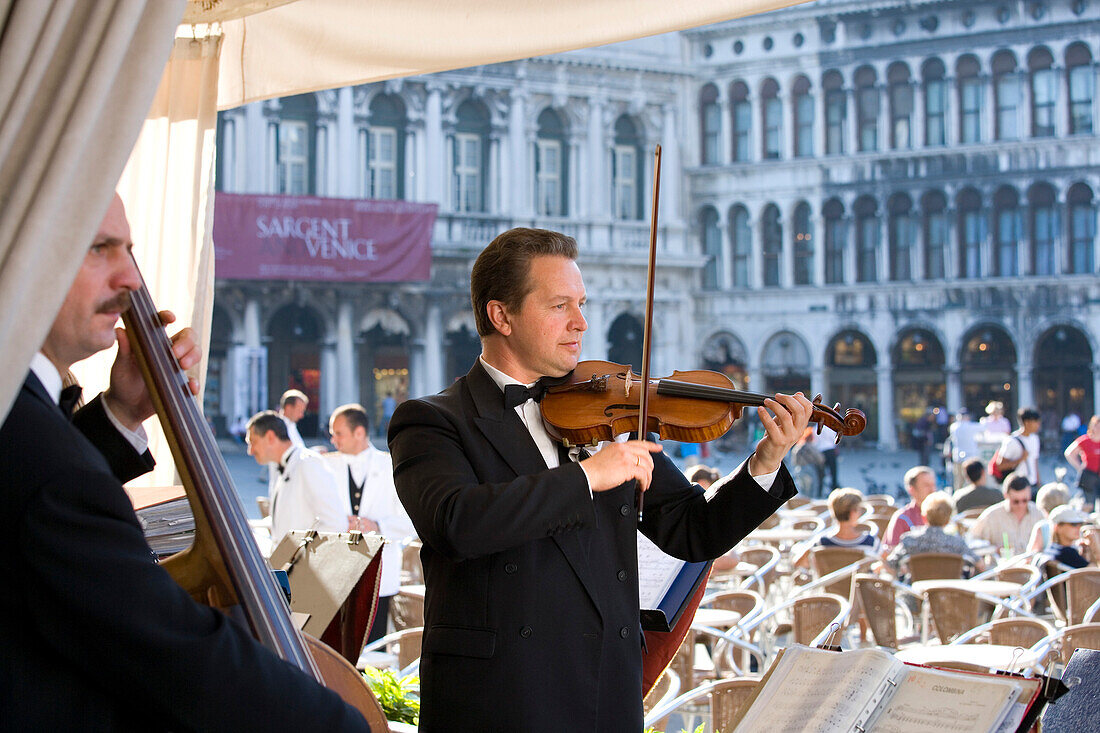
94 635
531 608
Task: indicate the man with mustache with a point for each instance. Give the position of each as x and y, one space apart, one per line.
531 619
94 635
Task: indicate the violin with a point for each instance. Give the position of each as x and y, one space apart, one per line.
600 399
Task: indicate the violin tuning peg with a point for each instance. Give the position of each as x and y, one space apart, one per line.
817 400
819 426
836 407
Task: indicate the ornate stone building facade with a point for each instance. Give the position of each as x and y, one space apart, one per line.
892 204
902 195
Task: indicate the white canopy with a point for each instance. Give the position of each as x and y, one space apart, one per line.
75 78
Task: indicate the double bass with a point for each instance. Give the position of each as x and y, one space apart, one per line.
223 567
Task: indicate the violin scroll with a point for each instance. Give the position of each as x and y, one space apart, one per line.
852 422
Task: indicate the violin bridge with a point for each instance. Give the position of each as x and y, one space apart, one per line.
627 384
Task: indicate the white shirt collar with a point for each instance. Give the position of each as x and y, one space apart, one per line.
287 455
47 374
501 379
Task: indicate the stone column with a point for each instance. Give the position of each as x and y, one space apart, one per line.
328 380
786 254
435 178
817 381
347 384
887 432
820 128
1023 109
786 122
882 256
756 126
918 127
951 252
1025 392
594 341
418 386
817 221
346 159
851 118
954 389
725 126
989 109
1061 102
573 201
670 165
253 161
1095 387
492 184
950 119
755 264
434 357
597 160
851 270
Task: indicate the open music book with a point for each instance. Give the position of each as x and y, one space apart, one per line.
869 690
665 585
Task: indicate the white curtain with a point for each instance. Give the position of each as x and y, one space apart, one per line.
75 80
301 46
168 190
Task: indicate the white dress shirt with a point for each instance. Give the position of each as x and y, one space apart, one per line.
51 379
373 470
305 496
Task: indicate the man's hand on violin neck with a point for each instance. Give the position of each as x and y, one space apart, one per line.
617 463
785 419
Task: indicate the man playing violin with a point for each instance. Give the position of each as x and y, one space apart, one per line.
94 635
531 607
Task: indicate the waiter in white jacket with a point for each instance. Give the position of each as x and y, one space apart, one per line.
365 475
304 494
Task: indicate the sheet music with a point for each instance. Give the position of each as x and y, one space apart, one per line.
934 701
656 571
820 691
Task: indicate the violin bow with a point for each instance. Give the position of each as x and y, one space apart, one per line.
643 398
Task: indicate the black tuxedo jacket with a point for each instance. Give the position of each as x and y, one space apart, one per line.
531 610
94 636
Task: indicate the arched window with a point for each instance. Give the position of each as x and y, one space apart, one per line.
772 236
972 230
709 118
551 166
471 156
1082 229
1082 87
741 119
626 170
712 248
902 237
1007 226
836 111
901 107
970 99
1044 92
296 140
935 103
1006 88
867 239
741 244
934 206
803 245
867 109
772 114
803 104
1043 224
835 240
382 146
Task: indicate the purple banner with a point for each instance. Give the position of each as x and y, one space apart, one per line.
309 238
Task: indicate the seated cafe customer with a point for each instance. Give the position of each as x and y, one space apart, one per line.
1066 535
1049 498
937 510
844 505
1008 524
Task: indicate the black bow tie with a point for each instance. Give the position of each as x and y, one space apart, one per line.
517 394
70 396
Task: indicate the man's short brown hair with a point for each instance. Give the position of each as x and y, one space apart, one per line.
500 272
354 414
292 397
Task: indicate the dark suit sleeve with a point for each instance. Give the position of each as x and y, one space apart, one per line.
99 615
678 518
126 463
459 508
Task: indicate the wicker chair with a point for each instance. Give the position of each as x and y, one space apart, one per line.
882 607
406 610
765 558
771 522
1027 576
1070 593
934 566
811 616
797 502
404 645
1021 632
1080 636
882 521
665 690
727 699
412 572
825 560
956 611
